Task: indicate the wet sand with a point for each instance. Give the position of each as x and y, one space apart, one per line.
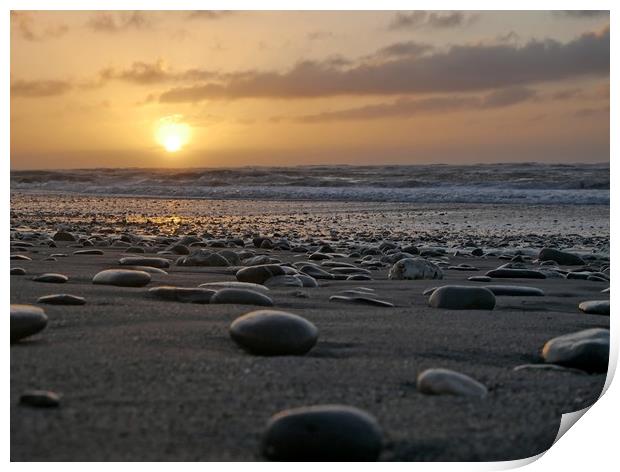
145 379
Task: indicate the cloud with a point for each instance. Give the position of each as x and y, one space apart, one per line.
23 23
208 14
581 13
420 18
508 97
403 49
115 22
459 69
145 73
407 107
320 35
592 112
39 88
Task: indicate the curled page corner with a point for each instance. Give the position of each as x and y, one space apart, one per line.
568 420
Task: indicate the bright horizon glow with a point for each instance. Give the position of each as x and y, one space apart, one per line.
172 134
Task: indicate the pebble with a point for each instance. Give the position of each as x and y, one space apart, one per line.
515 274
51 278
203 258
150 270
179 249
271 332
462 267
64 236
234 284
307 281
319 256
363 277
89 252
231 256
40 399
259 274
325 433
284 281
587 350
26 320
18 271
415 269
459 297
20 257
62 299
135 250
316 272
515 291
241 296
449 382
122 278
182 294
365 300
158 262
595 307
547 367
479 278
561 257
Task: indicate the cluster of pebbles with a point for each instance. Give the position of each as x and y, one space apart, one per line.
254 269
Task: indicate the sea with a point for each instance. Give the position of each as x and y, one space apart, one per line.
520 183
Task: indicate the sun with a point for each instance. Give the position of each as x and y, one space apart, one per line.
171 133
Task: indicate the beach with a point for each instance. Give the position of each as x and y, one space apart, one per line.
142 378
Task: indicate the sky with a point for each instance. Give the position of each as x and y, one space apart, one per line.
92 89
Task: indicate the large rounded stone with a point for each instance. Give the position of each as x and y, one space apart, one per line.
449 382
415 269
259 274
241 296
595 307
322 433
271 332
586 350
26 320
561 257
158 262
122 278
459 297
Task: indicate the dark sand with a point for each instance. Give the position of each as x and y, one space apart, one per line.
144 379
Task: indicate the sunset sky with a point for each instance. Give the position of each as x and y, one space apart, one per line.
202 89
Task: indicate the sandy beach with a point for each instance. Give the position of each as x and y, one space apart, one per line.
148 379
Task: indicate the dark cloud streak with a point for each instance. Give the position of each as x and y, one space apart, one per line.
116 22
39 88
407 107
460 69
24 24
437 20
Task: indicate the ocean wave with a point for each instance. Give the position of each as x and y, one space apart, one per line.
485 183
